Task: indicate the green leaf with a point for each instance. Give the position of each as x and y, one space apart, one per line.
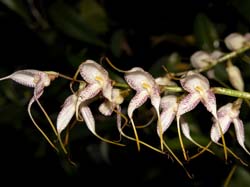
18 7
205 33
94 15
70 22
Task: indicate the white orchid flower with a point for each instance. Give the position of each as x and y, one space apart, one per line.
145 86
38 80
199 91
34 79
108 107
169 106
97 80
227 115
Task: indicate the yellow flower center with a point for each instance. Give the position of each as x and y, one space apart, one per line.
99 80
146 86
199 89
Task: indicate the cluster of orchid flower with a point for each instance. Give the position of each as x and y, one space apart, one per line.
194 85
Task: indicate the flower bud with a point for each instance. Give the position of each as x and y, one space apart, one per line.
235 76
200 59
235 41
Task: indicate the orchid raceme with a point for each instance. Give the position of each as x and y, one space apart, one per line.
227 115
199 91
169 106
170 100
145 86
38 80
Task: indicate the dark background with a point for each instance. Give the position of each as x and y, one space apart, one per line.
58 36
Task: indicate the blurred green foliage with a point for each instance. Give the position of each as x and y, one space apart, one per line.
58 35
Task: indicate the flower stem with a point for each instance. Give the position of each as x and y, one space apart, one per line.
231 92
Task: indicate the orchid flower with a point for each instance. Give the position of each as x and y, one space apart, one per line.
33 78
169 106
199 91
145 86
97 81
108 107
228 114
38 80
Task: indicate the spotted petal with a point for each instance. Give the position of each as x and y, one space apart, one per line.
88 118
224 123
209 101
194 81
37 94
188 103
137 77
24 77
138 100
185 130
239 130
224 120
169 106
88 92
90 71
66 113
155 97
41 80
